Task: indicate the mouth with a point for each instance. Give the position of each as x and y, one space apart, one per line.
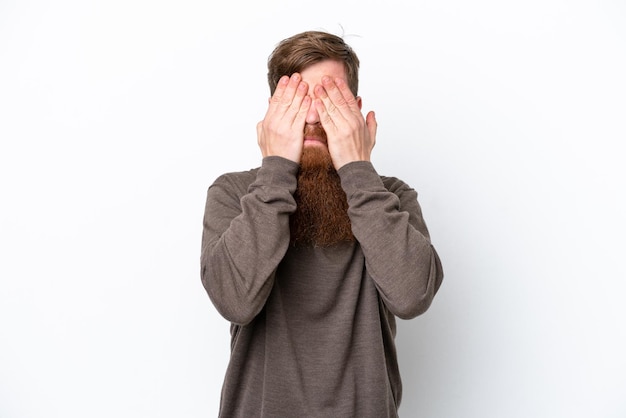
314 135
314 141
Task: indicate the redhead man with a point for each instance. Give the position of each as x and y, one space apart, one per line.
313 255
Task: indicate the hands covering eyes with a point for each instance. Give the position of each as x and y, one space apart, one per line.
350 136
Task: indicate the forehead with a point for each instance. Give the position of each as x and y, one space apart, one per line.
313 74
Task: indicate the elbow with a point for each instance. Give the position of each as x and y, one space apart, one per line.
413 307
235 315
417 301
231 302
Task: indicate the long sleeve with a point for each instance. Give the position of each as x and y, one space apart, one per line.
387 222
245 236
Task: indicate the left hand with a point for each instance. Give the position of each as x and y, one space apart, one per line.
351 137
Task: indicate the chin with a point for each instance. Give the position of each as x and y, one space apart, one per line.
315 156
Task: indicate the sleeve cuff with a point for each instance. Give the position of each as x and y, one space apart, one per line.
278 172
359 175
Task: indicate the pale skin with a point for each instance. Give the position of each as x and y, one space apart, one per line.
319 95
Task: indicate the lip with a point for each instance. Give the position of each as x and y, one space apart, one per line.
313 140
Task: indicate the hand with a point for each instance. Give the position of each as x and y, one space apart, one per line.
350 136
281 132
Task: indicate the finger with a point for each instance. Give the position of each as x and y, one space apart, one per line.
284 94
324 117
372 126
298 100
328 112
332 97
259 132
280 90
300 117
290 90
340 95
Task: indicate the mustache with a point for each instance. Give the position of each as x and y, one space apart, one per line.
315 130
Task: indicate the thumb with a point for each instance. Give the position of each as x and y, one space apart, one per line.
372 126
259 131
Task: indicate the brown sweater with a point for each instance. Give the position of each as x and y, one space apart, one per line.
313 328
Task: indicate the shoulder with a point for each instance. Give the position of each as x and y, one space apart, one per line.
237 181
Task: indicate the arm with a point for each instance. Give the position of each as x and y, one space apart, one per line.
387 222
389 226
246 229
245 235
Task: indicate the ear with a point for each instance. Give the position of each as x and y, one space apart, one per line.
359 102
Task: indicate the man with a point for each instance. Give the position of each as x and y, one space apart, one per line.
312 255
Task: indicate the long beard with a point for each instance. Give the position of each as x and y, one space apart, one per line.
321 217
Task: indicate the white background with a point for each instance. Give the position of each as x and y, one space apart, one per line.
507 117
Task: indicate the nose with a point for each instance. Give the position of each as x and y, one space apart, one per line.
312 117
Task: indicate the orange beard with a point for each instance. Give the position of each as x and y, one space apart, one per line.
321 217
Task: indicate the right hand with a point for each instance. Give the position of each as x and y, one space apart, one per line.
281 132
